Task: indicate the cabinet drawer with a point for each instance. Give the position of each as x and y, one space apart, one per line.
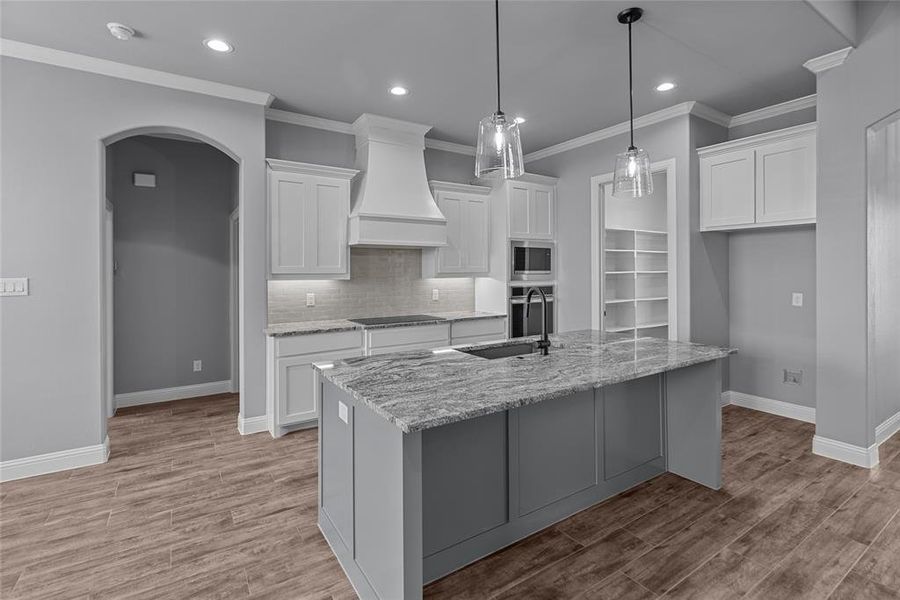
479 327
403 336
317 342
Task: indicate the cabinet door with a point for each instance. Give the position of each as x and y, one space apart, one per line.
296 393
786 180
540 212
476 234
727 195
518 210
326 226
450 257
287 222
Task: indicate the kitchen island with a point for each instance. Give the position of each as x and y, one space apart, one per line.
429 460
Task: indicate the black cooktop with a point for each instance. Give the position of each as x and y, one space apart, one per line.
396 320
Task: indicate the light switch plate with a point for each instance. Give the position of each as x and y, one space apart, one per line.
14 286
198 366
310 299
797 299
144 179
343 412
793 377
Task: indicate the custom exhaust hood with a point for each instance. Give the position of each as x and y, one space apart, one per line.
392 204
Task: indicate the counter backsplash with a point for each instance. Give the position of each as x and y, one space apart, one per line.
383 282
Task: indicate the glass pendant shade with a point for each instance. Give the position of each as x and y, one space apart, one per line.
499 148
632 175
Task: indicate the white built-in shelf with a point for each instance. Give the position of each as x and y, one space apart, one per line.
651 272
647 251
652 325
619 329
651 231
656 299
620 272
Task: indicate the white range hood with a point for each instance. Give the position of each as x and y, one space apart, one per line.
392 204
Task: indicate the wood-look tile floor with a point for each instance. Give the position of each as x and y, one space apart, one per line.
188 508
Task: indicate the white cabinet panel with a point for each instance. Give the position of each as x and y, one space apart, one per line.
308 210
468 224
786 181
396 339
541 213
477 330
297 399
518 210
761 181
727 189
531 211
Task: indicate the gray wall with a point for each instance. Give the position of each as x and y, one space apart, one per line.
171 249
765 267
54 121
865 89
797 117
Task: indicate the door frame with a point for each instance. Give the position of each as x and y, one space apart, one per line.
598 225
234 293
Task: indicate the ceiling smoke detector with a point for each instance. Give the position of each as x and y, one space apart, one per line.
120 32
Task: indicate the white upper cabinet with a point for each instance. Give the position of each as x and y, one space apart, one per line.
308 210
532 209
765 180
468 231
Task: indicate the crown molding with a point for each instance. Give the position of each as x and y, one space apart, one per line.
775 110
760 138
285 116
459 188
291 166
828 61
109 68
685 108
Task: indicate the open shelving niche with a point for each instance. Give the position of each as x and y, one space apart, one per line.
636 287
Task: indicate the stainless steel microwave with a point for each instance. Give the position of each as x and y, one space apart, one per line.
532 261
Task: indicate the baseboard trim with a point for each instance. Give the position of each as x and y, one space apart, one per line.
252 425
888 428
173 393
775 407
844 452
42 464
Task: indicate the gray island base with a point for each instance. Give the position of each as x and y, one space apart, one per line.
429 461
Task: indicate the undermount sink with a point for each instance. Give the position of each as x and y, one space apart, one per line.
505 351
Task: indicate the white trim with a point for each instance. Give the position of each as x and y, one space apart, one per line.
778 135
449 147
234 302
775 407
775 110
173 393
30 466
285 116
848 453
888 428
459 188
252 425
101 66
293 118
685 108
828 61
291 166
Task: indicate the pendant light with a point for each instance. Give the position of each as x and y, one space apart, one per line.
499 148
632 175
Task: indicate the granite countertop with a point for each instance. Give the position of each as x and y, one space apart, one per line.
309 327
419 390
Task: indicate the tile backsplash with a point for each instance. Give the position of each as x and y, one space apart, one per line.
383 282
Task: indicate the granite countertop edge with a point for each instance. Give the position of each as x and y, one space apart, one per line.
335 325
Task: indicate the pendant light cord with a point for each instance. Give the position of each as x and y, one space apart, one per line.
630 88
497 39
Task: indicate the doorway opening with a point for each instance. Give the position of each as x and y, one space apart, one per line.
633 258
170 271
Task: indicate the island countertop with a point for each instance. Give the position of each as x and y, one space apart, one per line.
419 390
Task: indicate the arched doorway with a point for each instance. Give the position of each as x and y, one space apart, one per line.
179 382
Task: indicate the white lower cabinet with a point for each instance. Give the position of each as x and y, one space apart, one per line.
291 394
400 339
477 331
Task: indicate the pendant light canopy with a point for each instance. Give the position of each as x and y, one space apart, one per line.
632 175
499 148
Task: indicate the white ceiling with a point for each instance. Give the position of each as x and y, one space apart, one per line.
564 63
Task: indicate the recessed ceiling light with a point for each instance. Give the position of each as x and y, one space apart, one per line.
399 90
520 120
120 32
218 45
665 86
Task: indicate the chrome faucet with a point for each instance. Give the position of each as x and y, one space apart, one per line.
544 343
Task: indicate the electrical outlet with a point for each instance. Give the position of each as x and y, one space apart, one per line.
198 366
343 413
14 286
310 299
793 377
435 294
797 299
